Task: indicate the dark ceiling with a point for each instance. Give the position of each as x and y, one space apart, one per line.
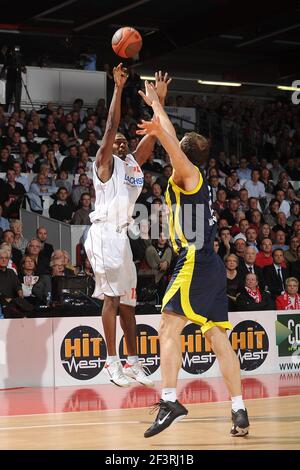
257 41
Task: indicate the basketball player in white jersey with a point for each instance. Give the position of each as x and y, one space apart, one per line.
118 181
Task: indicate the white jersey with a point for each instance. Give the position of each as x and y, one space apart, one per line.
116 198
107 245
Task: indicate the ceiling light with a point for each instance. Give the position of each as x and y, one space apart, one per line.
146 77
208 82
288 88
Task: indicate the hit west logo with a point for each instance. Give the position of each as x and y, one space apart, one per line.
83 352
251 344
197 355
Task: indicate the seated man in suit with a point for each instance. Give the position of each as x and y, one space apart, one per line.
247 265
275 275
252 298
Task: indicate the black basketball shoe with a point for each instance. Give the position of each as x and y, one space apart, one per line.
240 423
169 412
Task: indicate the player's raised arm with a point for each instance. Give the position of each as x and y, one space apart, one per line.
146 145
185 174
104 157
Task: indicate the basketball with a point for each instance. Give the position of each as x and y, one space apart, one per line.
126 42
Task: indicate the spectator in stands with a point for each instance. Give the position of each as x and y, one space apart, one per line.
279 241
159 257
19 177
264 256
295 213
81 216
265 179
46 248
61 209
89 128
63 256
233 280
70 163
164 178
10 286
156 193
62 181
16 192
272 211
225 247
220 205
57 267
33 286
11 264
243 226
28 164
230 191
247 265
243 202
264 232
239 242
34 250
290 255
251 237
4 223
256 219
83 186
284 204
282 225
290 299
19 242
139 242
152 166
230 213
235 229
275 275
8 237
253 206
6 160
251 298
243 172
276 169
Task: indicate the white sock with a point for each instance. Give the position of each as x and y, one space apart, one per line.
111 359
132 359
237 403
169 394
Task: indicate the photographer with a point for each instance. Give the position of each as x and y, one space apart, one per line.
13 67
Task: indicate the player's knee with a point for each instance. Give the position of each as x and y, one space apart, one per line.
111 303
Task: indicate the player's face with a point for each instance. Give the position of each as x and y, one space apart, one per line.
120 148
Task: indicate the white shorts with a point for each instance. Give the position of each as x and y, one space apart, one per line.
110 256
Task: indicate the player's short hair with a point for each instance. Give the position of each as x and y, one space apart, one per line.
196 147
120 136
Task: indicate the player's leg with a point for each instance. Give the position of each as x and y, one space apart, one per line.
230 369
113 366
169 409
109 320
133 368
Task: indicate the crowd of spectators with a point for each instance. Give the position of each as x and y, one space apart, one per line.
47 155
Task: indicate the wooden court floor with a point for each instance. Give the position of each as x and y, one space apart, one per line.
91 424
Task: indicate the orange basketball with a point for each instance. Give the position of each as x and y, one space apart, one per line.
126 42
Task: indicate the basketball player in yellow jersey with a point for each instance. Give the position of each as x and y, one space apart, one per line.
197 289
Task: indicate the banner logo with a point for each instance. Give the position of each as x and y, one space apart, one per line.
197 355
83 353
147 344
251 344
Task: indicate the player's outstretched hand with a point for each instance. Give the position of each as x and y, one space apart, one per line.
161 85
151 96
120 75
152 127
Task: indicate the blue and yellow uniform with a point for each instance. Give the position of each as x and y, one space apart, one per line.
197 288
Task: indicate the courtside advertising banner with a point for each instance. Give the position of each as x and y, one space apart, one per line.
72 351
